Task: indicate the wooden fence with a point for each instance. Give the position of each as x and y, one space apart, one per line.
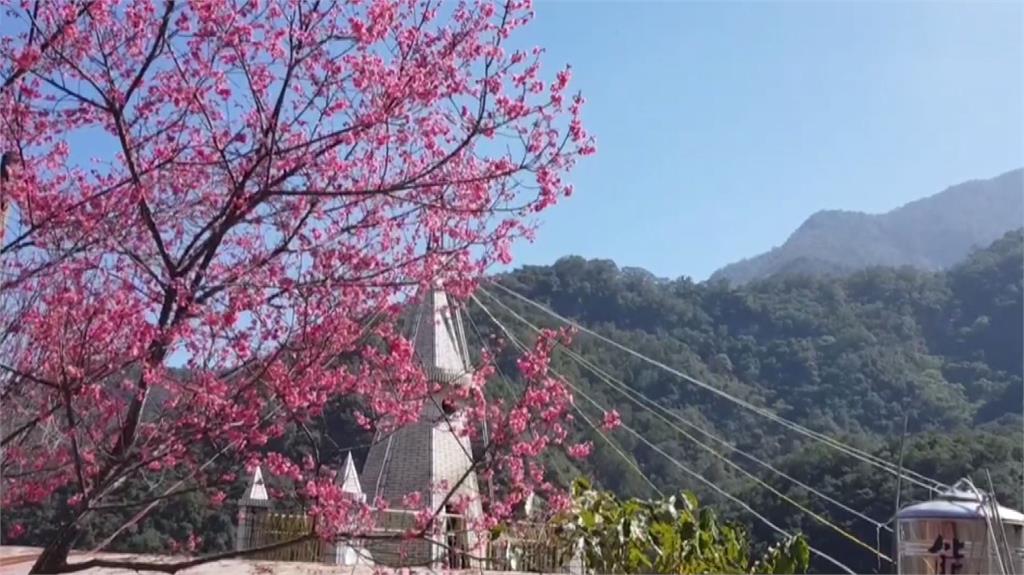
530 547
270 528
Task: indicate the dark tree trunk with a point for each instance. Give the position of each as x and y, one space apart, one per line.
54 558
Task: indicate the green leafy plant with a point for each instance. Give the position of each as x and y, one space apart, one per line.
670 535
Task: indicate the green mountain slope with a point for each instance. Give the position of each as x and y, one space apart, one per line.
848 356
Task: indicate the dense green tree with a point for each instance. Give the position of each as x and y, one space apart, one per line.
850 357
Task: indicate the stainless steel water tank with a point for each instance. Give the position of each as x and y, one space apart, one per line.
951 535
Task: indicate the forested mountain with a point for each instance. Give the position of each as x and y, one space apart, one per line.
931 233
850 357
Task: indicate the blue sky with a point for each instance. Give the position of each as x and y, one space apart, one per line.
722 126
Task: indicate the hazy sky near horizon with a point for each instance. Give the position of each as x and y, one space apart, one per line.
722 126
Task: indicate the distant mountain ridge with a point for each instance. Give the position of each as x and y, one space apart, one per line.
931 233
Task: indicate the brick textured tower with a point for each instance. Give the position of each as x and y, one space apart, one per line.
431 452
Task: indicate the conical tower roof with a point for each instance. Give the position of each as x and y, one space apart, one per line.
349 478
256 494
434 449
439 338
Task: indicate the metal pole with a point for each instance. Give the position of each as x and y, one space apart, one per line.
984 500
999 523
899 491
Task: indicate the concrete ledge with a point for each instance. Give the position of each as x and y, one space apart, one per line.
18 560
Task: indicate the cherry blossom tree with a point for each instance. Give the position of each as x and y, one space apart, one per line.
248 189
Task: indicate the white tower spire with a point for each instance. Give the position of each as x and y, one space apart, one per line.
433 451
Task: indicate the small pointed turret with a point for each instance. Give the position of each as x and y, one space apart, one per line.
256 495
349 479
254 504
349 551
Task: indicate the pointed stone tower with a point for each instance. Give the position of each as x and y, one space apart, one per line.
254 504
347 551
349 479
431 452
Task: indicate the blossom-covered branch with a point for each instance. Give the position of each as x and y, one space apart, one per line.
234 188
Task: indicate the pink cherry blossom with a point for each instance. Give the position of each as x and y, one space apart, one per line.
15 531
580 450
245 191
611 421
